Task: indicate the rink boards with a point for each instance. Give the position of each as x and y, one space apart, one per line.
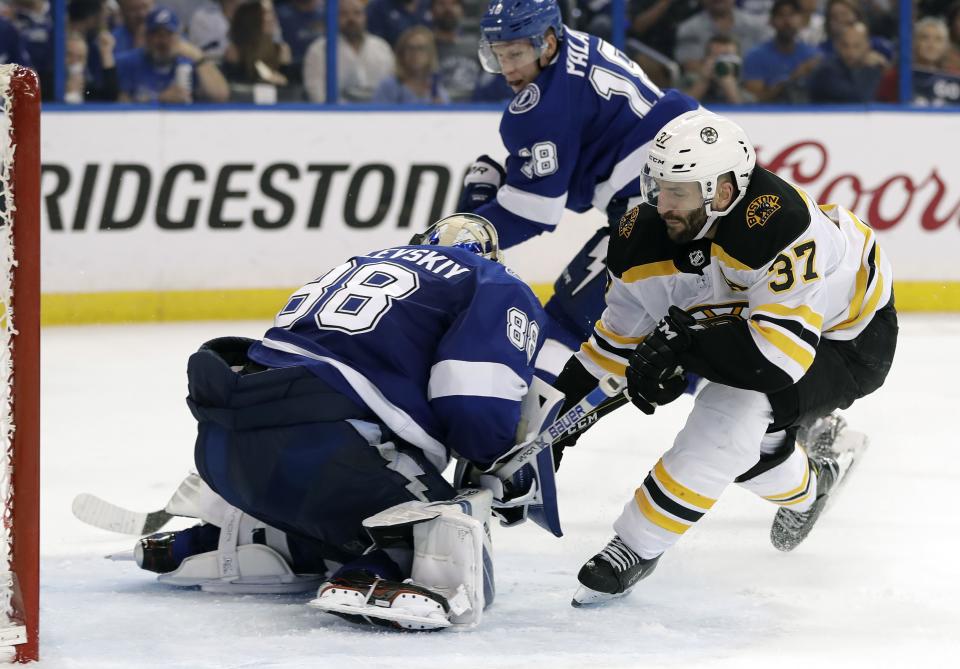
168 215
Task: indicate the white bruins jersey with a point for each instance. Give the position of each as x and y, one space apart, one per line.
780 273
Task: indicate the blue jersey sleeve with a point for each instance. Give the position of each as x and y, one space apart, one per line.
484 365
542 135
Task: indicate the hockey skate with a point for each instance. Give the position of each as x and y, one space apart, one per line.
833 451
611 573
365 599
818 438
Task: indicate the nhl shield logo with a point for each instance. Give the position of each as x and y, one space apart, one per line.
697 258
525 100
627 221
709 135
761 209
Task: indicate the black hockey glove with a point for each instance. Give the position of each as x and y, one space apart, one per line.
481 184
654 375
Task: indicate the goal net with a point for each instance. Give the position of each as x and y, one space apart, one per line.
19 362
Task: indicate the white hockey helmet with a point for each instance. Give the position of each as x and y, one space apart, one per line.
699 147
465 231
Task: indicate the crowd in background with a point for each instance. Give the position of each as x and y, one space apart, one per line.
425 51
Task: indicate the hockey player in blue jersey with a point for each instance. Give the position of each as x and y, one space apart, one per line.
577 133
320 447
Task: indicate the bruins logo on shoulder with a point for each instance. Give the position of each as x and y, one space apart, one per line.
627 221
761 209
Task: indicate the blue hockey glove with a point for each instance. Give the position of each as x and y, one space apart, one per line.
654 375
481 184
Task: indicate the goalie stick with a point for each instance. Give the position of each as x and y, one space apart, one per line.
609 389
100 513
92 510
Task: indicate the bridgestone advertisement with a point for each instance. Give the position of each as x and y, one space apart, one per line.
158 201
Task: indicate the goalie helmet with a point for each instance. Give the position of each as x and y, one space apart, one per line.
510 20
699 147
463 231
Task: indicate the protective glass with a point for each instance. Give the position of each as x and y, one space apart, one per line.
671 195
495 56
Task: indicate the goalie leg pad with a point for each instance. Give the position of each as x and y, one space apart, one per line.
247 568
452 561
453 556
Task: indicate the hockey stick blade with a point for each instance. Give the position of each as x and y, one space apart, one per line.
609 386
94 511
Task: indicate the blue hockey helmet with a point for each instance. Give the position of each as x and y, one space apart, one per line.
463 231
510 20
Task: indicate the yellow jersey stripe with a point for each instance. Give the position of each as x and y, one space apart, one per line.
856 316
786 344
860 291
727 259
601 360
614 337
657 518
680 491
640 272
803 312
794 501
800 488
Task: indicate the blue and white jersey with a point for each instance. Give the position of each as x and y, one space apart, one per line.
436 341
577 137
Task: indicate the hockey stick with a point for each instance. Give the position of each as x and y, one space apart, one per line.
97 512
568 424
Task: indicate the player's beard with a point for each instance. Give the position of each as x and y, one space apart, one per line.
684 226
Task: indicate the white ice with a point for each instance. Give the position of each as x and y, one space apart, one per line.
875 585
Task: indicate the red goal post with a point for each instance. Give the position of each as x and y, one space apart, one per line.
20 357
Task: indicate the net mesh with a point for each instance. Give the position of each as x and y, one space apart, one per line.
10 627
7 330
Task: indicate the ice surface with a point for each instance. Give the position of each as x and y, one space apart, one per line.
875 585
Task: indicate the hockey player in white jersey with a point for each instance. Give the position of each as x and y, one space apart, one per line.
320 447
784 306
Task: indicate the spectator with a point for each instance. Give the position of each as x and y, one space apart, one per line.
209 27
812 24
390 18
33 22
717 80
132 32
719 17
184 9
655 22
87 20
76 57
777 70
301 22
952 63
417 80
168 68
933 84
853 74
363 60
253 56
457 55
842 14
